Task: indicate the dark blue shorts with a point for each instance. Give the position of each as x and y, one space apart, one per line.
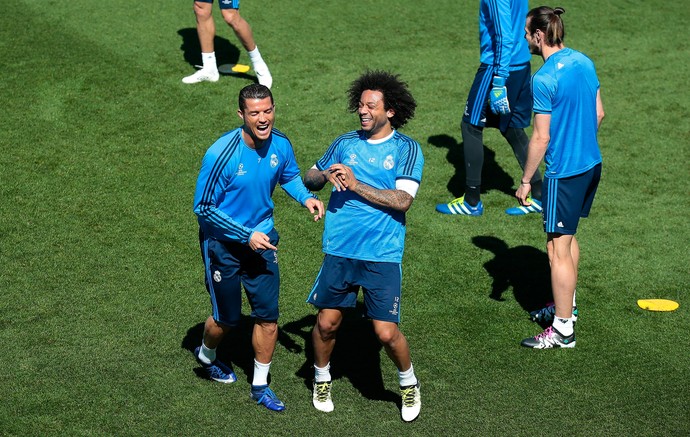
230 265
565 200
340 279
477 110
224 4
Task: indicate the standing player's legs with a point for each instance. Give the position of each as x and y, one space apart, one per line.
205 26
240 26
473 121
565 202
261 280
382 284
333 290
472 125
560 248
512 128
323 335
206 30
473 148
264 338
243 31
221 268
394 343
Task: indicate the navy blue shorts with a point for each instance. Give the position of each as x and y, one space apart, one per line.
340 279
230 265
224 4
565 200
477 110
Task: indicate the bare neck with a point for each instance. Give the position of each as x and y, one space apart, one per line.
547 51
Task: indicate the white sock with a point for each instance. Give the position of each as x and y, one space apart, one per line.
255 55
564 326
209 61
407 377
322 374
261 373
257 61
207 355
574 293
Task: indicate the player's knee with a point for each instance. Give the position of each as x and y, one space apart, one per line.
232 17
201 11
327 327
268 328
388 335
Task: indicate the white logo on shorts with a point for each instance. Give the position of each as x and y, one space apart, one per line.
216 276
394 311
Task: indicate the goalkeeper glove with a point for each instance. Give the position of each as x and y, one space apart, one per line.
498 97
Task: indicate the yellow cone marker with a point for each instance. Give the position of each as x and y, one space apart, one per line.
657 304
233 68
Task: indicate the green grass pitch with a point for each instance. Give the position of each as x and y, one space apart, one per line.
101 289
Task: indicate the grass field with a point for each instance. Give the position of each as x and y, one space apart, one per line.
102 295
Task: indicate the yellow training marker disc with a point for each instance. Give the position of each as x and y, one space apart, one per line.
657 304
233 68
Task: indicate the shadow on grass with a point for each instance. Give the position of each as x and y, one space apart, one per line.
356 356
524 268
236 348
493 176
226 52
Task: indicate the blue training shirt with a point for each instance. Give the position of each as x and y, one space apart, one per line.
566 87
502 40
235 185
356 228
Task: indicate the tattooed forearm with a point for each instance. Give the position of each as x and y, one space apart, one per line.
394 199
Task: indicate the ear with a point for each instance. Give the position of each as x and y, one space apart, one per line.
390 113
240 114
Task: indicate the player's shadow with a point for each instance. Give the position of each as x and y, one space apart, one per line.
356 356
236 348
524 268
226 52
493 176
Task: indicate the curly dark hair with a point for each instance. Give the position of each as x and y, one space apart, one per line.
396 96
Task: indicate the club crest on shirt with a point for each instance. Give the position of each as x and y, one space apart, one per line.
389 163
240 170
353 160
274 160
